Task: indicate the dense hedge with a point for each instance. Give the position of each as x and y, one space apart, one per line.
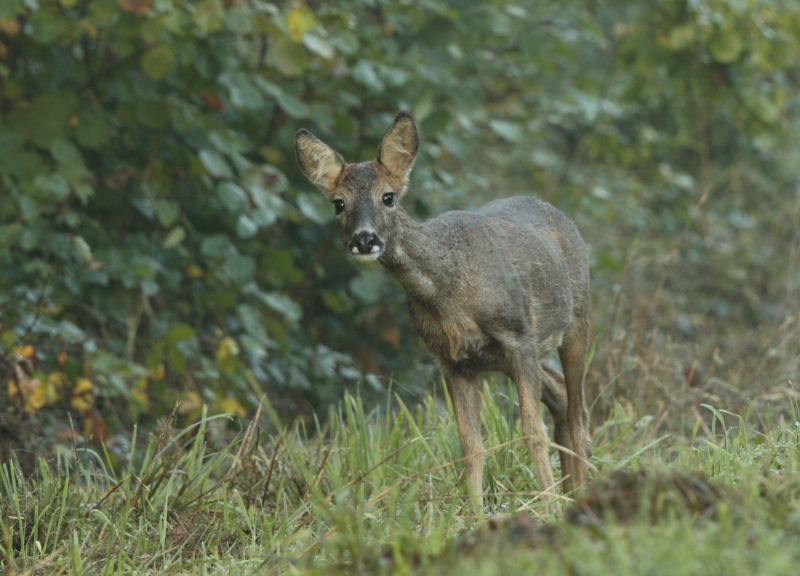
157 241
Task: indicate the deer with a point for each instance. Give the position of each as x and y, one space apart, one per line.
496 289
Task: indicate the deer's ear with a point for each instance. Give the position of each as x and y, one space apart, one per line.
318 161
399 147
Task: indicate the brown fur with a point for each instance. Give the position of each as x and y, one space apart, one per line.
495 289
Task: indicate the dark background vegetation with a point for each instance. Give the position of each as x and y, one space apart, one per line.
157 241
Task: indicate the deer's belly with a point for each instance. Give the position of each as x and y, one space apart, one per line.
457 339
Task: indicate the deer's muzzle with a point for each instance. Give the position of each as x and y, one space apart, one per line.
366 243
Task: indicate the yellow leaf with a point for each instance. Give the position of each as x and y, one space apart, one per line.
82 397
90 29
9 27
29 385
231 406
25 351
35 395
300 21
139 392
82 386
157 373
190 403
227 348
13 391
194 272
227 355
56 382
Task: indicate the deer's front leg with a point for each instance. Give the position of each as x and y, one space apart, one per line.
528 380
465 396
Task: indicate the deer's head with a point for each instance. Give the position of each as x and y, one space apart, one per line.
365 196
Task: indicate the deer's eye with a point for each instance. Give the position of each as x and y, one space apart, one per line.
388 199
338 205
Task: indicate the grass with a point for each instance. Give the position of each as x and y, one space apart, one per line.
379 492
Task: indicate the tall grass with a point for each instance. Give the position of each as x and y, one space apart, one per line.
378 491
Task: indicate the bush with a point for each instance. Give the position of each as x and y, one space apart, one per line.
158 243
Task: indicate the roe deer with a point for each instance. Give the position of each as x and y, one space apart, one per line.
495 289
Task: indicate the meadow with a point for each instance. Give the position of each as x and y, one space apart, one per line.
196 379
679 486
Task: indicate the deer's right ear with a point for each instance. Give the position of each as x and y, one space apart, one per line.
318 161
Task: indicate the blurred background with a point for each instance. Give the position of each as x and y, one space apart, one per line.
158 242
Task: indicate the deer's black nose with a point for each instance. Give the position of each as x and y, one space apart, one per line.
365 242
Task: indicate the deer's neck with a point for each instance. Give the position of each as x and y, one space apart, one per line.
412 258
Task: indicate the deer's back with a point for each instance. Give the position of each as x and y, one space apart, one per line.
513 265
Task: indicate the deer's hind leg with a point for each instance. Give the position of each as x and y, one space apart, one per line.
554 396
466 399
573 353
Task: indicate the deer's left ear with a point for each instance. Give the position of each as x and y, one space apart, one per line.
399 147
318 161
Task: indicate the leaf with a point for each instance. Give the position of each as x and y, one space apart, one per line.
54 184
232 196
154 113
175 237
217 246
10 9
726 45
56 382
82 395
35 394
299 21
209 16
191 404
213 101
48 114
227 355
364 73
66 153
215 163
333 302
93 130
507 130
765 110
319 46
167 212
279 266
289 58
231 406
179 333
47 27
137 7
368 286
159 62
681 37
282 303
240 268
82 248
245 227
288 103
315 208
83 191
242 90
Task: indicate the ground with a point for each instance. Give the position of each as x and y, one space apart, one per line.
379 492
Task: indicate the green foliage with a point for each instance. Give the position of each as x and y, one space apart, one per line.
151 213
